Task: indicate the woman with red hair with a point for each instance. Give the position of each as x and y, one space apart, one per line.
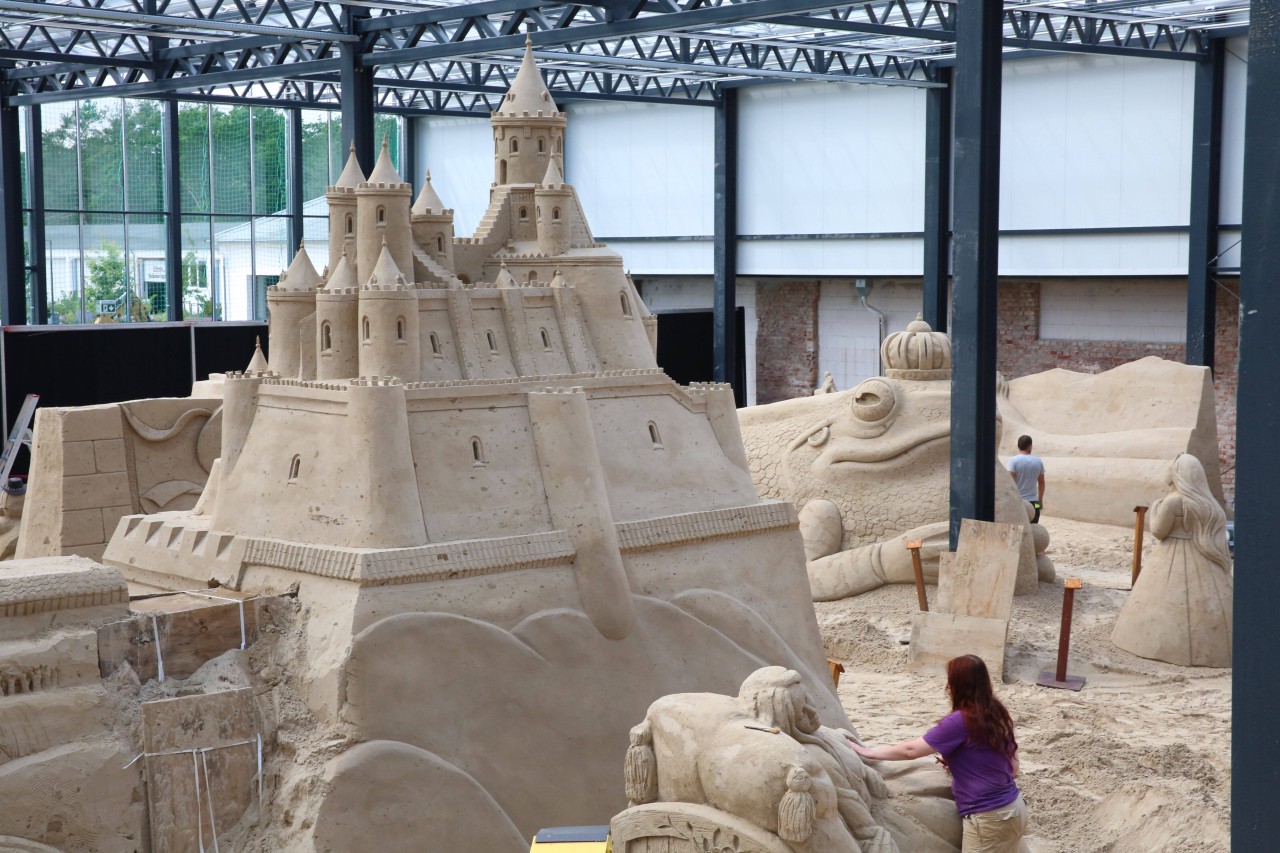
978 747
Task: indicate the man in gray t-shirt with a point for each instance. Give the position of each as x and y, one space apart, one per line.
1028 473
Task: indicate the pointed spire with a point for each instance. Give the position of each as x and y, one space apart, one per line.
528 93
386 272
557 280
343 275
301 274
505 278
351 176
384 172
258 364
553 178
428 201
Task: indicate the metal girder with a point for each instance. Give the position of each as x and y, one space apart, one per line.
1206 176
724 307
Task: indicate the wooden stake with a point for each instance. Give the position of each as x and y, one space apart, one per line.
1141 514
1060 678
914 548
836 668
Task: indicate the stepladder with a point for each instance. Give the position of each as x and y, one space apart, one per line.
19 436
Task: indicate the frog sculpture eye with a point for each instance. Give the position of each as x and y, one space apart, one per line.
873 401
819 438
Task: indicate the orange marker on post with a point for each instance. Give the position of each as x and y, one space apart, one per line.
1060 679
914 548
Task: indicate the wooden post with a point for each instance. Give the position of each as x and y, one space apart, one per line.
914 548
1140 516
1060 678
836 668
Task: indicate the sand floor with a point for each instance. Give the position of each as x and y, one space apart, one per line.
1137 762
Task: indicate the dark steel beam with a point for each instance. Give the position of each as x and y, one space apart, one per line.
172 211
410 167
937 202
13 296
357 97
1255 749
1100 49
293 153
724 305
39 309
1206 176
975 263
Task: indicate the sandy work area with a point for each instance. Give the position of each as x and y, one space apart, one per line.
1137 762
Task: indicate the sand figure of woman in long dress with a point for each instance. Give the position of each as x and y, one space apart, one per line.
1180 608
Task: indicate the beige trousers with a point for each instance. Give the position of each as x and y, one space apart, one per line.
997 831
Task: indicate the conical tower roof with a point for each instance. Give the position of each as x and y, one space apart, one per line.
258 364
505 278
553 178
528 93
428 201
385 271
384 172
342 276
351 176
301 274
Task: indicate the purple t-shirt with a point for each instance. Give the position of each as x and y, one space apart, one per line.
981 778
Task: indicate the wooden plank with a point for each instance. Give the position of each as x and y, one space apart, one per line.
985 569
194 632
943 603
202 751
938 637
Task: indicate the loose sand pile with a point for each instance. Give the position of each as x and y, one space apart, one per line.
1137 762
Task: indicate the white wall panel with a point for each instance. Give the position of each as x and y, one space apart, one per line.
459 153
664 257
642 169
1148 311
821 158
1095 254
882 256
1232 186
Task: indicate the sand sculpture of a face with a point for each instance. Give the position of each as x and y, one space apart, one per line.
869 467
762 766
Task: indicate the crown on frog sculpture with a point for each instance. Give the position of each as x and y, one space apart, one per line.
917 353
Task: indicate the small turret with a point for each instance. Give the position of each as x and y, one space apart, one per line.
342 210
528 128
432 225
337 309
553 200
505 278
289 302
382 203
389 339
258 364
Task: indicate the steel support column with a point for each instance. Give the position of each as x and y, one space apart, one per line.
724 303
937 202
173 212
39 261
975 262
1206 175
295 201
358 100
1255 749
13 265
410 168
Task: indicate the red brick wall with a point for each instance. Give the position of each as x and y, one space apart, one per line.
787 340
1022 351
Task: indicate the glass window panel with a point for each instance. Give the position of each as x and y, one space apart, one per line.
193 153
271 257
270 160
147 263
388 128
58 144
63 272
197 269
232 170
102 154
337 151
315 230
315 154
22 161
144 155
109 287
233 271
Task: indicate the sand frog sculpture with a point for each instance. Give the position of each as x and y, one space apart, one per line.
868 468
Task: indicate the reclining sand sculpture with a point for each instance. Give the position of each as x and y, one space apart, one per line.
1094 432
1180 608
868 469
506 530
759 766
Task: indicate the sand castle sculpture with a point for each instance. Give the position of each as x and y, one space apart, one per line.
1180 608
759 768
1095 434
868 469
495 533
